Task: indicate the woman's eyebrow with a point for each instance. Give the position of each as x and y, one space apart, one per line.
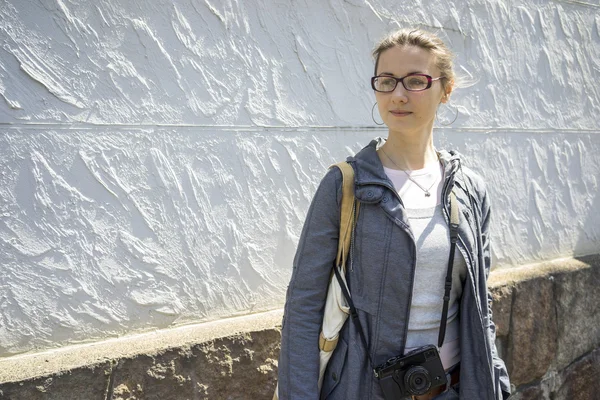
410 73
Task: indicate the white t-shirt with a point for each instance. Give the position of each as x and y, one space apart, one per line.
413 197
425 215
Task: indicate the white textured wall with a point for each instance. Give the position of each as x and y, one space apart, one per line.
157 157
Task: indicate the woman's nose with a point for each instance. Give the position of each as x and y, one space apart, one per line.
400 94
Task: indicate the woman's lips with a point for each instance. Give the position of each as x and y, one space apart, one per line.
399 113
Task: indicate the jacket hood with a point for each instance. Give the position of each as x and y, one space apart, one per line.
368 169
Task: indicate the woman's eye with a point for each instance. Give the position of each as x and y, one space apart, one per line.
416 81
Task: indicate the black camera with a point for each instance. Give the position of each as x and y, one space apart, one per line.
412 374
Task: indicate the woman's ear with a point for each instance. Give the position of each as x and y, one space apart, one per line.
448 90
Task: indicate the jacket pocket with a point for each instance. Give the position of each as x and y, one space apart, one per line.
363 303
335 369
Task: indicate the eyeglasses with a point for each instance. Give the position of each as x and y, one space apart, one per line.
412 82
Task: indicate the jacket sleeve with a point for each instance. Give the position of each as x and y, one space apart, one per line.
298 367
500 372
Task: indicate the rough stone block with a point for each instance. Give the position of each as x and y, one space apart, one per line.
237 367
501 310
580 379
501 307
90 383
530 393
578 313
533 340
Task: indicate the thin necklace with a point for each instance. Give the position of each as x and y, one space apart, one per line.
427 191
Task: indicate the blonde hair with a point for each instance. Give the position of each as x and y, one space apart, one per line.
425 40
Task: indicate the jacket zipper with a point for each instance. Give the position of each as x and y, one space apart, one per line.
410 293
412 277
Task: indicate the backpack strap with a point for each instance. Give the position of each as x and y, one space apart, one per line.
348 216
348 213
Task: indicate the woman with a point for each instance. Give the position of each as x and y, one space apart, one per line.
401 250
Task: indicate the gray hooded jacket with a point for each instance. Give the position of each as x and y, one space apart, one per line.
380 282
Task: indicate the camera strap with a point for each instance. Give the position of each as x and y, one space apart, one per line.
447 287
448 284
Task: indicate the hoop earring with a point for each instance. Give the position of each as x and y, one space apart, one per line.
373 115
451 122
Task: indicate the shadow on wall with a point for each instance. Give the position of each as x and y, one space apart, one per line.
588 241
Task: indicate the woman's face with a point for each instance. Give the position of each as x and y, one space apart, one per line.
405 112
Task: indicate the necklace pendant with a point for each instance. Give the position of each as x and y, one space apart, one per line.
427 194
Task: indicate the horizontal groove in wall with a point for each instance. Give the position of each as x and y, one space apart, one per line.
277 128
578 3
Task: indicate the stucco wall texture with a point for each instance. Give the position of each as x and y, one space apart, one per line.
157 158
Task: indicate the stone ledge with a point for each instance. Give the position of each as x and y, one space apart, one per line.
242 366
511 275
28 366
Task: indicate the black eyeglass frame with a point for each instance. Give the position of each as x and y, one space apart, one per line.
430 81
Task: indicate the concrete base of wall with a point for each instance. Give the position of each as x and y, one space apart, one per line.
548 327
234 358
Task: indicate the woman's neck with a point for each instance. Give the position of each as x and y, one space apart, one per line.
408 153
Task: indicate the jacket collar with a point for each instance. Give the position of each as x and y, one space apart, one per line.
370 179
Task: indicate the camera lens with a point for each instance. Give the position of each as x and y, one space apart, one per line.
417 381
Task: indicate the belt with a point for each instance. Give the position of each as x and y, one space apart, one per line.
454 379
